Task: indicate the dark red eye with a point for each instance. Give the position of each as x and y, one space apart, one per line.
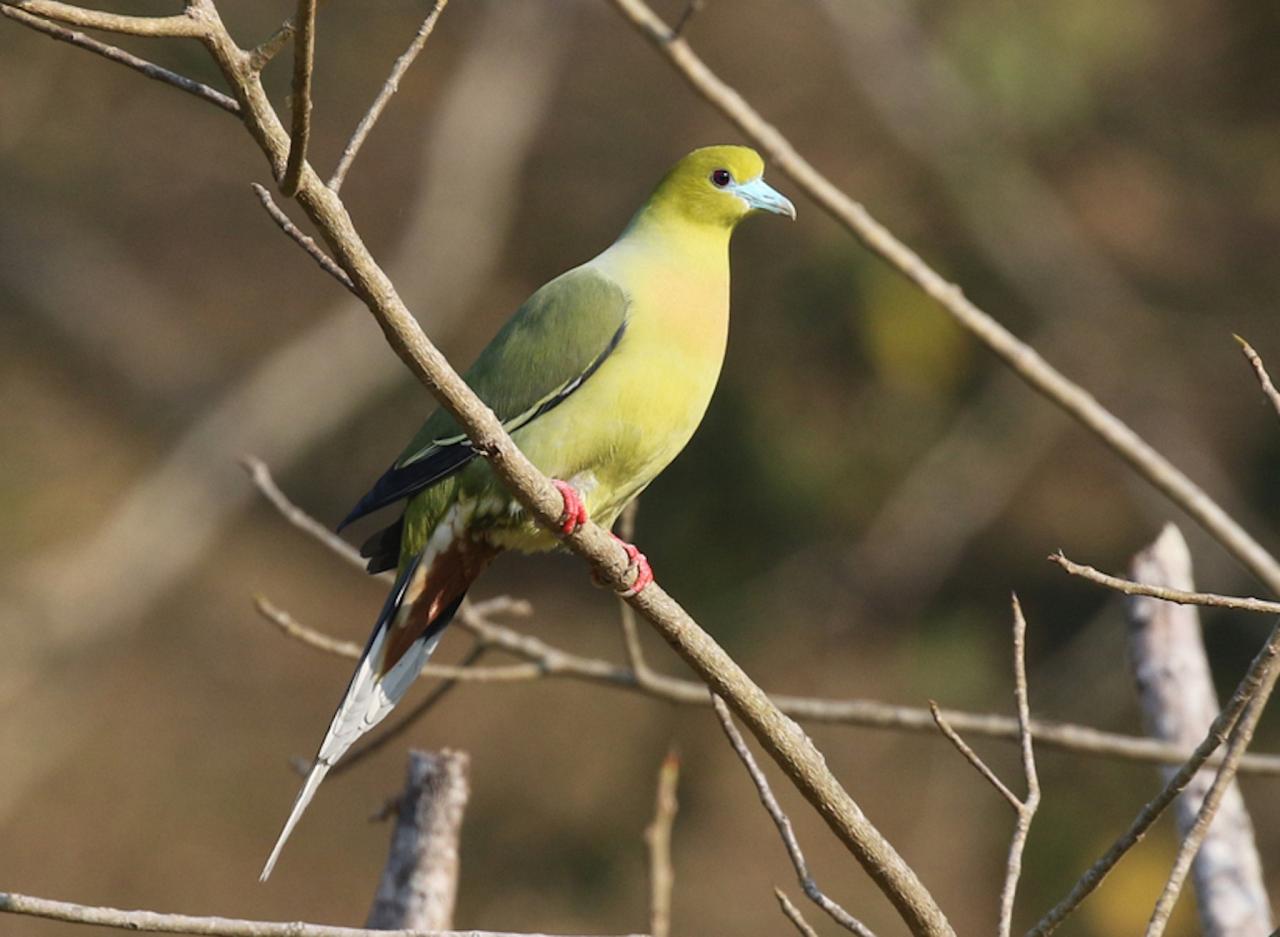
721 177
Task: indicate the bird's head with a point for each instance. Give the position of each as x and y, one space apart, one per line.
718 186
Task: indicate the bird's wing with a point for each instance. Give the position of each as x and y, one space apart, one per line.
545 352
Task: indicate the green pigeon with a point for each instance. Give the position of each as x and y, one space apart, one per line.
601 378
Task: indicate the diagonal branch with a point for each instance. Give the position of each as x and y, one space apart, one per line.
182 24
1260 369
390 87
304 60
304 241
120 56
783 823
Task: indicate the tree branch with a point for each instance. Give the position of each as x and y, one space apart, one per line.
156 922
1180 596
1260 369
304 56
121 57
304 241
182 24
783 823
389 87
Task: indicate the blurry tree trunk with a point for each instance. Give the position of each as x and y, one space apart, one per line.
1175 688
419 884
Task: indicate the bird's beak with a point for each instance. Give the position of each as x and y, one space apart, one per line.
760 196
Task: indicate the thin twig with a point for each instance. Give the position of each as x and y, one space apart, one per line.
626 614
657 836
304 60
1024 809
1260 369
783 823
1129 587
306 242
156 922
181 24
691 9
120 56
972 757
793 914
389 87
1258 679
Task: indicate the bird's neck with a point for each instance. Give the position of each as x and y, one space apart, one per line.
664 231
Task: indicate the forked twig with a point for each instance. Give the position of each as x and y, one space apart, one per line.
1024 809
783 823
389 87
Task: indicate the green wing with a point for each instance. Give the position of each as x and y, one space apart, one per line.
544 353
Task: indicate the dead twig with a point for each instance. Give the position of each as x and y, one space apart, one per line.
306 242
1260 369
304 58
389 87
1024 808
793 914
783 823
1180 596
120 56
657 836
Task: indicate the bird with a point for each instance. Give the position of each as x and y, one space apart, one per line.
601 377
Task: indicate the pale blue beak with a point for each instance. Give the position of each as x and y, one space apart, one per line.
762 197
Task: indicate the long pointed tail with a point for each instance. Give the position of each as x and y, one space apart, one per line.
423 602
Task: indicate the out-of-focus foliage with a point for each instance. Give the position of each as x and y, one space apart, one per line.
145 761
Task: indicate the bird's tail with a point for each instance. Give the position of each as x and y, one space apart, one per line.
424 600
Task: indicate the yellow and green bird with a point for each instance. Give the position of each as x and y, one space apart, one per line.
601 378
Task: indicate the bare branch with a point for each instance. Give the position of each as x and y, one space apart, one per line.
1175 688
973 757
390 87
304 57
793 914
783 823
657 836
1260 369
155 922
1182 597
180 25
306 242
419 885
1026 810
120 56
626 614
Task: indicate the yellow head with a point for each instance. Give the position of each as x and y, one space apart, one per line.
716 186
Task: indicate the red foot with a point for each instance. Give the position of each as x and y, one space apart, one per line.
644 573
575 512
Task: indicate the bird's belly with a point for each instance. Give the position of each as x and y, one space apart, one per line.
613 435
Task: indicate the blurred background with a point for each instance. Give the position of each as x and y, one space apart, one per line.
867 488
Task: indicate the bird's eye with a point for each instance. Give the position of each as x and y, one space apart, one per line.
721 178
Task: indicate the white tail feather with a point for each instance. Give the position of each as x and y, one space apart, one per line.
371 697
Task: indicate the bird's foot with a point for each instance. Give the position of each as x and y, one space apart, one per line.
575 512
638 568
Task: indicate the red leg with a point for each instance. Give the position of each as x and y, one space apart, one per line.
575 512
644 572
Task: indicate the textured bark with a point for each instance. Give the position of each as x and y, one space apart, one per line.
1176 691
419 884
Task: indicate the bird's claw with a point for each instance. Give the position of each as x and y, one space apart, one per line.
574 515
637 562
